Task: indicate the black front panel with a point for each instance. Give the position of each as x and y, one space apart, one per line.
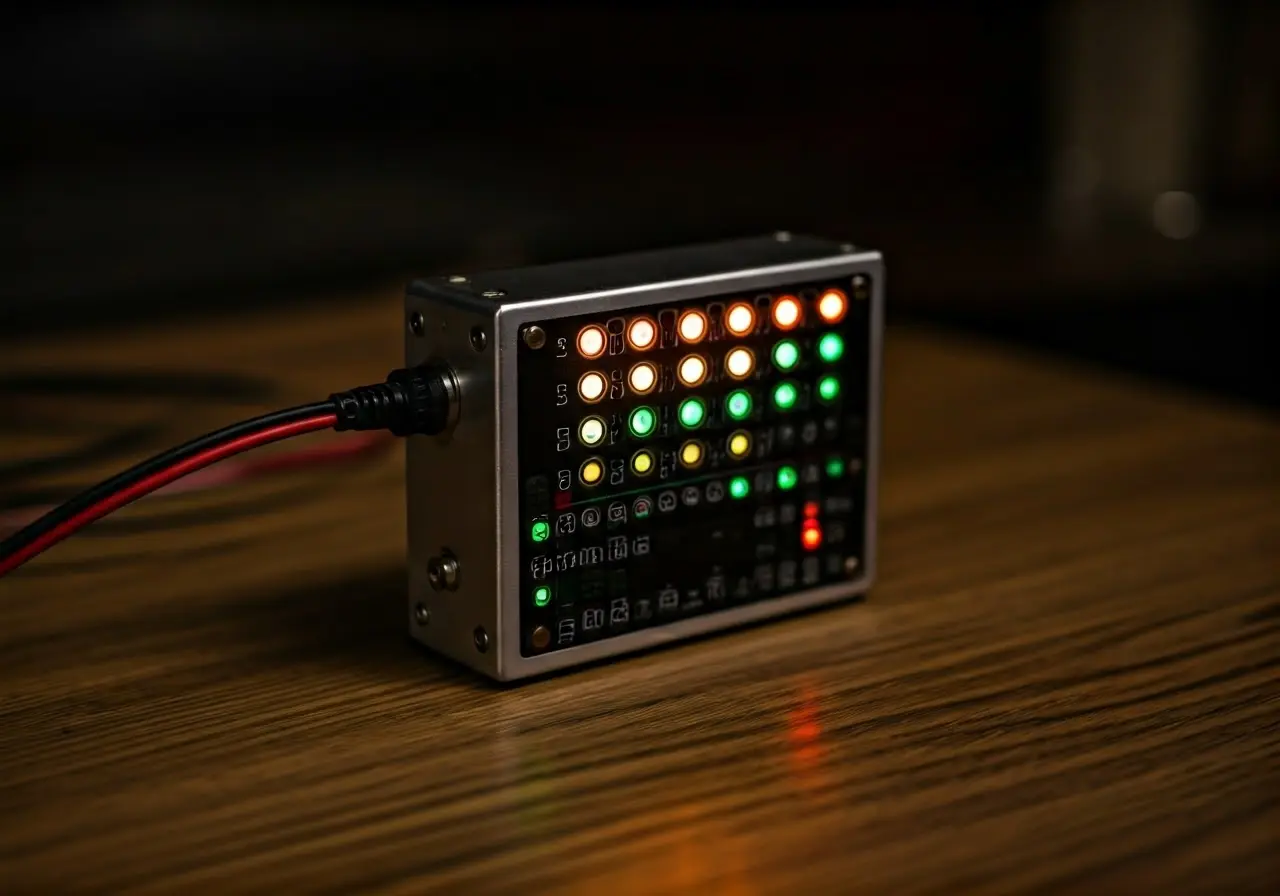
641 508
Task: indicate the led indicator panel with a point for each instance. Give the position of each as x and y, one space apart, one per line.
699 490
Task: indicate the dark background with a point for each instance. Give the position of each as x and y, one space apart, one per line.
1096 178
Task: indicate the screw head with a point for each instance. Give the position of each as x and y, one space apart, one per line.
535 337
540 638
421 614
417 324
480 638
479 339
850 565
442 572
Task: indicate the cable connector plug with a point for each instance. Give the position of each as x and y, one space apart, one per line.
412 401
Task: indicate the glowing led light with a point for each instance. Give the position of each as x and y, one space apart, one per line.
692 412
787 478
592 386
828 388
591 432
540 531
786 355
832 305
642 333
811 535
786 313
739 487
737 404
835 467
830 348
738 445
691 453
541 596
739 363
642 462
642 422
592 341
692 326
642 378
810 509
692 370
740 319
785 396
591 471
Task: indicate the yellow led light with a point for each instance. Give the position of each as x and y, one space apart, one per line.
739 363
591 431
642 462
832 305
592 386
592 341
786 313
691 453
591 472
642 378
642 333
739 445
740 320
692 326
692 370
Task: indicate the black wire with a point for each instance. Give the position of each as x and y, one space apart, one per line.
105 489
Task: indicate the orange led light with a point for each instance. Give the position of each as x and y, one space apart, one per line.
692 370
592 341
592 386
642 378
811 536
739 363
786 313
740 319
692 326
832 306
642 334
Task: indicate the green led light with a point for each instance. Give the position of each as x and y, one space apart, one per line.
540 531
786 354
831 347
784 396
787 478
739 487
737 404
828 388
541 596
642 422
692 413
835 467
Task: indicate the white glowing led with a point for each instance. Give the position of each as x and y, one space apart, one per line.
592 341
642 333
740 320
692 370
591 431
642 378
692 326
592 386
739 363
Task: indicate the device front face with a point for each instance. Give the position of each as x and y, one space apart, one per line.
685 457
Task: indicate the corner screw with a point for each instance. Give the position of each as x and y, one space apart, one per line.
478 338
442 572
421 614
481 638
535 337
850 565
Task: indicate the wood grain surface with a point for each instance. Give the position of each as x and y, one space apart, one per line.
1065 680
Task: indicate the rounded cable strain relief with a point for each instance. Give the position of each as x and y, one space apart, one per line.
412 401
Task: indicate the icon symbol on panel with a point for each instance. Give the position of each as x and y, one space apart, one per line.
667 501
591 517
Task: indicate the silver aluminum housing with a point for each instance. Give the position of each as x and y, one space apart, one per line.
463 485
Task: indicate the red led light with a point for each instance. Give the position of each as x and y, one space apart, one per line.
811 536
810 509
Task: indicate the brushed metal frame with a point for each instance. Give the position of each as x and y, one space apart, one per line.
510 318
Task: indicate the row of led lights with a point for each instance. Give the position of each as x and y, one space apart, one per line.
691 455
787 313
692 371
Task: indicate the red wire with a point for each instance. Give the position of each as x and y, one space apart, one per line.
159 480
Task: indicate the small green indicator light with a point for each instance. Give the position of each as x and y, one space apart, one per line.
831 347
828 388
541 596
692 413
787 478
540 531
786 354
835 467
739 487
642 422
737 404
784 396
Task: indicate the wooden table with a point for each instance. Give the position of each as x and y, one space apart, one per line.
1066 678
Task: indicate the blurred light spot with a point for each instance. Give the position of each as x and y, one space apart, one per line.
1176 215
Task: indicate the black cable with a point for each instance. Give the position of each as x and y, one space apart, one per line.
91 496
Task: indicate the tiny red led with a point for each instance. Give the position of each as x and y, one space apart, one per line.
810 509
811 536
